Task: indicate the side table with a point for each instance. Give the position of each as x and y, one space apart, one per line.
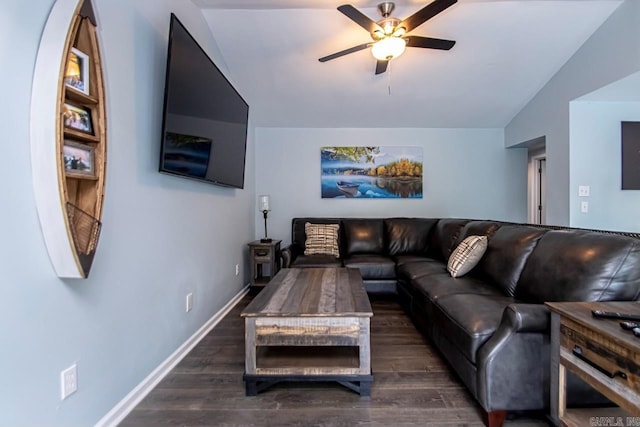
602 354
263 254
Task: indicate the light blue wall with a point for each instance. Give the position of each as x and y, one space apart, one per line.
612 53
162 236
467 173
596 162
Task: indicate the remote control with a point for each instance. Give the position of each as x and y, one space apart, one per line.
629 325
611 315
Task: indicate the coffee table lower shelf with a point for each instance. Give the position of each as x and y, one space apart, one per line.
359 383
275 364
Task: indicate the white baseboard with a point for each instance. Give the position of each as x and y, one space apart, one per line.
135 396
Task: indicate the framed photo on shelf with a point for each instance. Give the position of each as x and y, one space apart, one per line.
77 72
77 118
79 160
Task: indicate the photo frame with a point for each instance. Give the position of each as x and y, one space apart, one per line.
77 118
77 73
79 160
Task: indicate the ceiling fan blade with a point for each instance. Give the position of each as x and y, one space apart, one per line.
428 42
381 66
426 13
344 52
359 18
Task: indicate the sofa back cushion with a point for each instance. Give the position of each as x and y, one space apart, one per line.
507 253
363 236
476 228
578 265
444 236
408 236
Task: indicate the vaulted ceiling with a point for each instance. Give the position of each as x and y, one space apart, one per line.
506 51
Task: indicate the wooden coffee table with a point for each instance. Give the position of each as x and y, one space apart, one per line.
309 324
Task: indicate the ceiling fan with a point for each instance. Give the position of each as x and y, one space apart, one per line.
390 34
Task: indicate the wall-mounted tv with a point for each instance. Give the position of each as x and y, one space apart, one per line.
204 127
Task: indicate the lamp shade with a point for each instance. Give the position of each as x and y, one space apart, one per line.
263 203
388 48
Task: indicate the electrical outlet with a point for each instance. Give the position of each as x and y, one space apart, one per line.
584 190
189 301
68 381
237 269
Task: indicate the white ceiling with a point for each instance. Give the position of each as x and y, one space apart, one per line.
505 53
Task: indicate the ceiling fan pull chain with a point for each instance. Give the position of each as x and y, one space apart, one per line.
389 78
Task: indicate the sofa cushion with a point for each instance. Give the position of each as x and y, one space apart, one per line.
469 320
438 285
408 235
466 255
572 265
443 237
477 228
322 239
412 270
372 266
320 260
507 252
363 236
408 259
427 289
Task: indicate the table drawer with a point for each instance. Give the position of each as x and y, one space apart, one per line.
308 331
602 353
261 253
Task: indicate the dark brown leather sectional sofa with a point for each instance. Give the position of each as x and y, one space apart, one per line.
491 324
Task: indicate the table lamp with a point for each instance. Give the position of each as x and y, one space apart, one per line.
263 205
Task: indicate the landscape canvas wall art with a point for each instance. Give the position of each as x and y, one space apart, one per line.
371 172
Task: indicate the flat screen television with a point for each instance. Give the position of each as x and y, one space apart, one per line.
204 126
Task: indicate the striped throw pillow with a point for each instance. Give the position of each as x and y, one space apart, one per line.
466 255
321 239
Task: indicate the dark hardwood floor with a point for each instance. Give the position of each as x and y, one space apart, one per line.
412 386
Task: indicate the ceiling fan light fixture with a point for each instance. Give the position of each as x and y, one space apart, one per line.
388 28
399 32
390 35
388 48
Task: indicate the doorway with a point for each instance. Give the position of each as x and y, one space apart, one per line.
537 186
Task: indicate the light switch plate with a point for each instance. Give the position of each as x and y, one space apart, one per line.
68 381
584 207
189 301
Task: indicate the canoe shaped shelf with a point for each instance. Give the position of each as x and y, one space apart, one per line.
69 137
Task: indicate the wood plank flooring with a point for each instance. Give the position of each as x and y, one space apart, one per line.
412 386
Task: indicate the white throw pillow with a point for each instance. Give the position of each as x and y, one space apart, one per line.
466 255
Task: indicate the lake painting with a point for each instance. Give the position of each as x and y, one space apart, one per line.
371 172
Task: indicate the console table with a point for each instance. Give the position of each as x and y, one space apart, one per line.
263 254
602 354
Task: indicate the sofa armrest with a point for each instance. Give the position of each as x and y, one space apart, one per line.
527 318
518 351
289 254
